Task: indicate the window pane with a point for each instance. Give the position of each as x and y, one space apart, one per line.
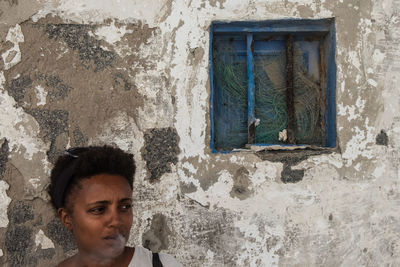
308 98
230 92
270 89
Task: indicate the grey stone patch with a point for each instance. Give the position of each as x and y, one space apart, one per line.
291 158
79 138
187 188
121 81
20 213
18 242
52 124
156 238
382 138
4 152
213 230
291 176
77 38
17 88
241 183
57 232
46 253
292 238
59 90
161 150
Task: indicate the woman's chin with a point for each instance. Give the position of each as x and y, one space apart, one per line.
110 250
114 246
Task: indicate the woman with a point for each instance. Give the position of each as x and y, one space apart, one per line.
91 189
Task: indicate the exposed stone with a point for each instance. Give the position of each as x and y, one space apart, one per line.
18 242
3 157
161 150
156 238
291 176
46 253
21 212
121 80
61 235
52 123
382 138
59 90
290 158
77 38
79 138
241 184
18 86
187 188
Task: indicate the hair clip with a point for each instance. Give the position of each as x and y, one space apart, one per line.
75 151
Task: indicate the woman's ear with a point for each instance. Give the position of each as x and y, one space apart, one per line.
65 217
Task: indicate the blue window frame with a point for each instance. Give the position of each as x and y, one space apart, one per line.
272 83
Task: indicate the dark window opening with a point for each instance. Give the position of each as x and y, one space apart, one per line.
272 83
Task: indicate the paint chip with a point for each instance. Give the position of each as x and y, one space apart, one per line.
13 56
382 138
41 95
4 202
42 240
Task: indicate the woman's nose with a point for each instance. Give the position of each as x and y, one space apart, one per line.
114 218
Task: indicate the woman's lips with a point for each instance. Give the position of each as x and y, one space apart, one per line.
115 240
115 236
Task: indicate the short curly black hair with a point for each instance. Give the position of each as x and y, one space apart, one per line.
84 162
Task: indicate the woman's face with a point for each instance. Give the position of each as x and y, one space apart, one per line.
101 216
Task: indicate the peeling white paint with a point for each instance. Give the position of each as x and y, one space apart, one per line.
360 144
20 128
331 208
372 82
378 56
41 95
216 193
43 241
352 112
90 11
379 171
12 56
111 33
4 202
189 167
35 182
265 171
129 137
256 252
354 59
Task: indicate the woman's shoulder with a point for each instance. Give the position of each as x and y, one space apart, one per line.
144 257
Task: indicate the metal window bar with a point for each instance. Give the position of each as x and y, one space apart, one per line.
250 90
289 91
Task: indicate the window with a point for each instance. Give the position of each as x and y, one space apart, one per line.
272 83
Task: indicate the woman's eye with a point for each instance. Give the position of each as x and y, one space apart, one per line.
126 207
97 210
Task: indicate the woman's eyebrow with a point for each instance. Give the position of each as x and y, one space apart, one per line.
104 202
126 199
107 202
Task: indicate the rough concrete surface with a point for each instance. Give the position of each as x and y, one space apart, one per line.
135 74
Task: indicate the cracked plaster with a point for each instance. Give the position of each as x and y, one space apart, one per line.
344 211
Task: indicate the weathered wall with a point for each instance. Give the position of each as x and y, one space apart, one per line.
135 74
